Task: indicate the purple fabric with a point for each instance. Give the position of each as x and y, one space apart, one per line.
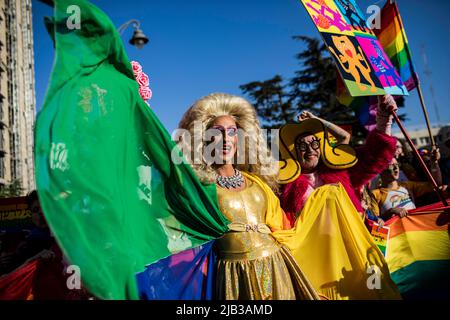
187 275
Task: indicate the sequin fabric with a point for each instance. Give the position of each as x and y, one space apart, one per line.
252 264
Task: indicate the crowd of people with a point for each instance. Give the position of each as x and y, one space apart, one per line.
403 186
302 239
292 227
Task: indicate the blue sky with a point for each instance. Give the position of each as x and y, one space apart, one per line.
202 46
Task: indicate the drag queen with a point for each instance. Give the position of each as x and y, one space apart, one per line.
251 264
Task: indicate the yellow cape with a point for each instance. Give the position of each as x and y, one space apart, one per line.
332 245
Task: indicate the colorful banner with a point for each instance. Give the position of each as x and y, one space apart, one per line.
380 236
14 214
364 66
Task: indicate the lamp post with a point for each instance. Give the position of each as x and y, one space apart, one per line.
139 39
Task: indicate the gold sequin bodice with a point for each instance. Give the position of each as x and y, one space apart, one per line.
246 208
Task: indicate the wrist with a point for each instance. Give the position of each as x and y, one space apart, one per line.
386 129
384 123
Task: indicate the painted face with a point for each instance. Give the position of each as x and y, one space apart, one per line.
392 172
227 137
308 152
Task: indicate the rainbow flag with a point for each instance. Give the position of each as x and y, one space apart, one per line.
418 254
392 37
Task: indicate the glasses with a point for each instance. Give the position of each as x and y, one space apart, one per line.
303 146
231 131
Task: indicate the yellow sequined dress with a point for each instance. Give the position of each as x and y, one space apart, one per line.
251 263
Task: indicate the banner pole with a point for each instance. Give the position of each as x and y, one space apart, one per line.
421 162
427 120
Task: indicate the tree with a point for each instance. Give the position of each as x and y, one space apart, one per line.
314 86
271 101
14 189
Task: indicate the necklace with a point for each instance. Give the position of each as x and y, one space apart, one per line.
232 182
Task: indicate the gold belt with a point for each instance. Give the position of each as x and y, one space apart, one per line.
246 227
253 254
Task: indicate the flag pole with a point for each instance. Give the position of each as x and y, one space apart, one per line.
416 79
417 82
421 162
424 109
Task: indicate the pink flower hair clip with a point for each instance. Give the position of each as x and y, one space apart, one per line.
143 81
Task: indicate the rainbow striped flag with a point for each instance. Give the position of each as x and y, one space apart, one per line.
392 37
418 253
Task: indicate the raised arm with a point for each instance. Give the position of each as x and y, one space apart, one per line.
386 105
342 136
379 148
434 167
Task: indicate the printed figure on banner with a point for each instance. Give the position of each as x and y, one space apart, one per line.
353 65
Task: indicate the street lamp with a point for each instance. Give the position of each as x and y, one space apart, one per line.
139 39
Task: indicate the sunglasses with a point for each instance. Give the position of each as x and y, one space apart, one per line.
303 146
231 131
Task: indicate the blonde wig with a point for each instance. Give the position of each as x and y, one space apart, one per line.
204 112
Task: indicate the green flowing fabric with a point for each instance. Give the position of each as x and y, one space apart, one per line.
109 190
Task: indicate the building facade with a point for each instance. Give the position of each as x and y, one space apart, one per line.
421 138
17 94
